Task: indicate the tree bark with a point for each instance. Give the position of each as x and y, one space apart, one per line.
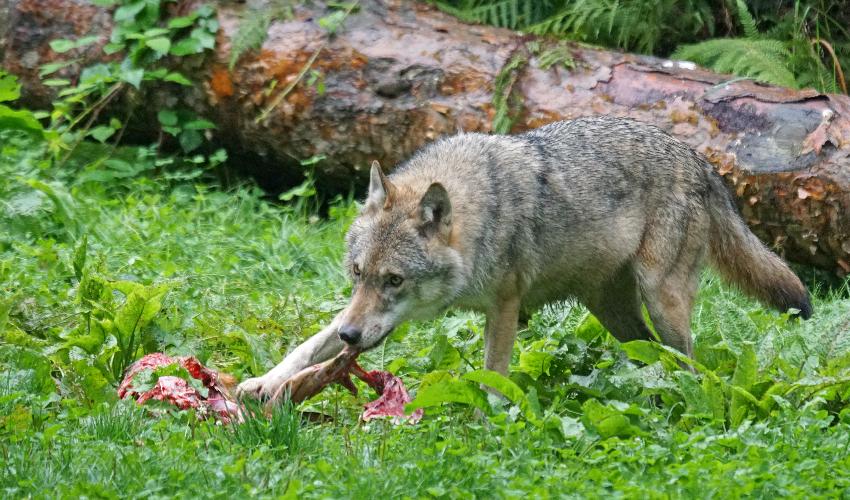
399 74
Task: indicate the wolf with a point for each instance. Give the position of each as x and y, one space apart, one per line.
611 212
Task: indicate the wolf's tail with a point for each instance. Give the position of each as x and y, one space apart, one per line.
744 261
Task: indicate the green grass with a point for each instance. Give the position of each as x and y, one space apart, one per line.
247 278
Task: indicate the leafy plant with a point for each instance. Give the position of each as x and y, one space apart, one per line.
254 26
752 56
16 119
800 43
111 333
146 38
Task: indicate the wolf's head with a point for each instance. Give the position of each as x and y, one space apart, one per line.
399 259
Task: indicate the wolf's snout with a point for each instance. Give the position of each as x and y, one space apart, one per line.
349 334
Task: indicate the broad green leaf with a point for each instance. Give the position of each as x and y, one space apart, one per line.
56 82
101 133
19 120
63 202
155 32
129 11
167 117
53 67
497 381
79 262
590 328
644 351
161 45
695 398
62 45
742 380
178 78
92 380
443 355
535 363
449 390
199 125
89 341
133 76
10 89
183 21
571 427
139 308
190 140
187 46
606 420
713 389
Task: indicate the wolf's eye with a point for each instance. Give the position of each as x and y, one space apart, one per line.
356 270
394 280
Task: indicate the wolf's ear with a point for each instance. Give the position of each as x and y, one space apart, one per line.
381 190
435 212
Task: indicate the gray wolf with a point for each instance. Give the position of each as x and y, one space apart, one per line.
611 212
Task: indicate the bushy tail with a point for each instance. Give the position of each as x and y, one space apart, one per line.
744 261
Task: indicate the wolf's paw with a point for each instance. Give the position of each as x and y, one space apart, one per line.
261 388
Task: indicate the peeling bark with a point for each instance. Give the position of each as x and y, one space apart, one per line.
399 74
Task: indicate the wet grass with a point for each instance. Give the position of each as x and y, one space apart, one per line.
251 278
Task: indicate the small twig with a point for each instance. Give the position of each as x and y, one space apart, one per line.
95 110
309 64
282 95
121 132
836 65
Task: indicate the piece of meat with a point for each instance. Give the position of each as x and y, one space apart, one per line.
394 397
311 380
179 392
300 387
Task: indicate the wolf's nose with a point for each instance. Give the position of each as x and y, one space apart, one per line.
349 334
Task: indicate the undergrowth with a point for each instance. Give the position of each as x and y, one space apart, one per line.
245 278
802 43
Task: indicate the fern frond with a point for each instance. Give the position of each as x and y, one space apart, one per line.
254 28
763 60
513 14
747 21
641 25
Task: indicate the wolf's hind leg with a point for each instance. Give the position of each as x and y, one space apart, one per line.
617 306
668 278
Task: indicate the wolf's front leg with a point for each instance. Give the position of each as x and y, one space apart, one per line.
320 347
500 334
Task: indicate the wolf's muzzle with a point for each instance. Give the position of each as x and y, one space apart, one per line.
349 334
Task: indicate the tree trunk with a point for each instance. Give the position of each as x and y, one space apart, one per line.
398 74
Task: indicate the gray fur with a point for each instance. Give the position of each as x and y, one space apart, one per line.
608 211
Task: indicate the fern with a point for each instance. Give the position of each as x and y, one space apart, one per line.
759 58
254 28
640 25
747 21
513 14
791 42
763 60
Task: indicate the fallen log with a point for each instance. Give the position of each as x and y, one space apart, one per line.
398 74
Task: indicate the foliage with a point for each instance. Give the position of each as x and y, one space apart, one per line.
797 44
146 38
254 27
95 273
16 119
752 56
